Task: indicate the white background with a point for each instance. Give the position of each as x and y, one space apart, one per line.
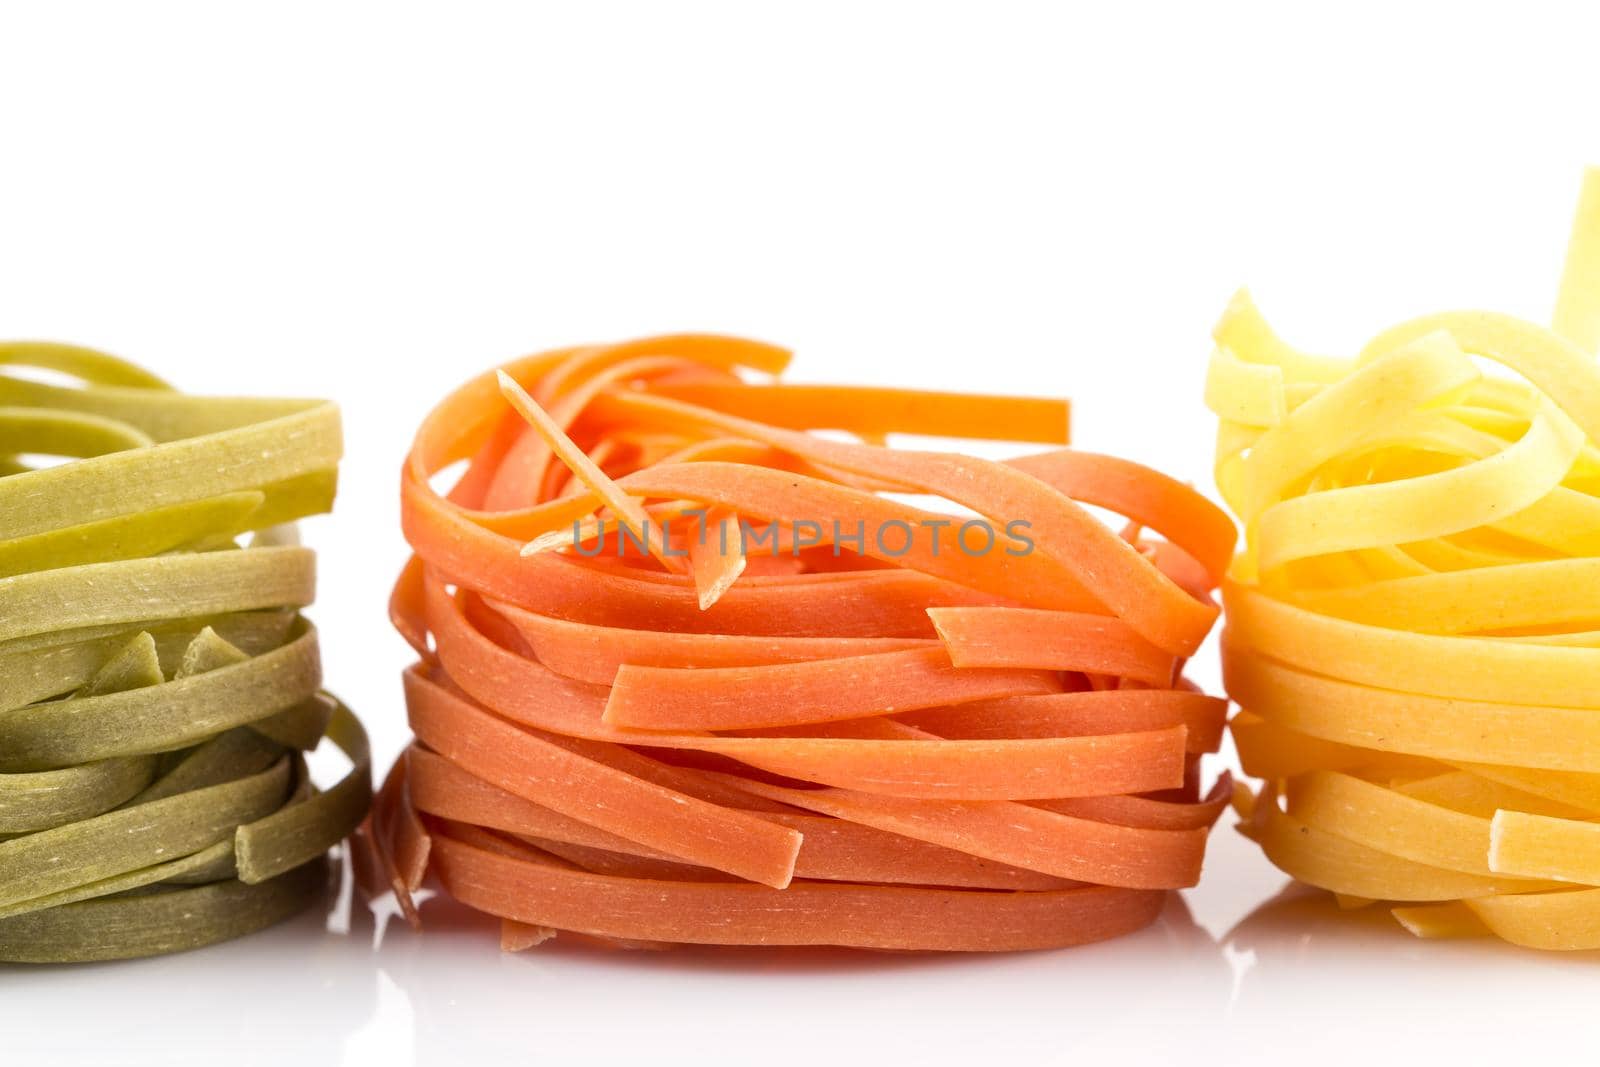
374 201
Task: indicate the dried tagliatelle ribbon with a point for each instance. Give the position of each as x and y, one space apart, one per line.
692 673
158 688
1413 630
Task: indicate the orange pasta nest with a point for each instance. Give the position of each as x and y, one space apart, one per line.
691 673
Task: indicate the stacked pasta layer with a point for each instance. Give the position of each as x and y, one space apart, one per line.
691 673
158 687
1412 628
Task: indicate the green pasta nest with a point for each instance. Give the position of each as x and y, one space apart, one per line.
158 687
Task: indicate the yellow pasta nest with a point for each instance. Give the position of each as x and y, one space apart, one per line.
1413 631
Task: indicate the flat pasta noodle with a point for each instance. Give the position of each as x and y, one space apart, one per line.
159 689
807 712
1413 629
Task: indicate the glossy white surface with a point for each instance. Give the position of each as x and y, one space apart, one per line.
372 201
1235 972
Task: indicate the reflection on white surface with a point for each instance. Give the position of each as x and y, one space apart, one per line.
1209 983
742 1005
298 987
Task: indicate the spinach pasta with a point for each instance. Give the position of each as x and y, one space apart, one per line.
159 690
